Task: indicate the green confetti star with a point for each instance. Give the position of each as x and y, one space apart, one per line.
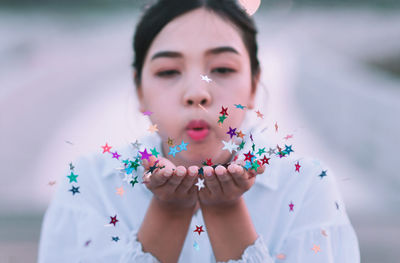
241 145
222 118
134 181
255 165
72 177
154 152
261 151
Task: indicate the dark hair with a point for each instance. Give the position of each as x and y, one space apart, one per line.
162 12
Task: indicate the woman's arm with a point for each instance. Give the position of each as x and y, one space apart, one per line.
225 214
164 230
230 230
165 225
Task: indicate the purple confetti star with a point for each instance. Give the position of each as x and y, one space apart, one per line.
116 155
145 155
231 132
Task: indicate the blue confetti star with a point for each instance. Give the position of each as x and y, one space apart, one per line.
323 173
74 190
182 146
196 246
239 106
173 150
288 149
116 239
247 165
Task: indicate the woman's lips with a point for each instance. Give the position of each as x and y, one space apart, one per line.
197 130
198 135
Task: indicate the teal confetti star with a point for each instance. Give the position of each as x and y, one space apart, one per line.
72 177
261 151
74 190
182 146
134 181
323 174
173 150
288 149
154 152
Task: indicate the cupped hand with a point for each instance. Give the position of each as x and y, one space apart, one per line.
172 186
225 186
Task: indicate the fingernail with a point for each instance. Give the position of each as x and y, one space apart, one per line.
167 173
208 173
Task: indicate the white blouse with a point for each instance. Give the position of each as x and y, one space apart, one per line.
297 212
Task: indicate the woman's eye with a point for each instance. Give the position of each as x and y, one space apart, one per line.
223 70
167 73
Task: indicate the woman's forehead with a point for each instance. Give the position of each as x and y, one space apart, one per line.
197 31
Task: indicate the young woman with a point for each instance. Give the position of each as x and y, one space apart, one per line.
211 190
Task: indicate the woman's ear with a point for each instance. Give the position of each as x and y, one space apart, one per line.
254 85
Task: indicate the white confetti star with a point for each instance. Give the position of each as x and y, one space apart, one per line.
200 183
230 146
205 77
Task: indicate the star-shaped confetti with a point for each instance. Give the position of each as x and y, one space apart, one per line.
288 149
115 239
71 166
323 232
265 160
323 174
221 119
72 177
120 191
205 78
136 144
147 113
241 145
154 152
114 220
88 242
297 167
255 165
173 150
200 183
116 155
182 146
199 229
287 137
74 190
239 134
134 181
230 146
261 151
291 205
281 256
271 151
231 132
170 142
316 249
224 111
145 155
106 148
153 128
260 115
51 183
337 205
196 246
209 162
239 106
248 156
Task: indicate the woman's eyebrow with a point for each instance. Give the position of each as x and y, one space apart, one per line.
213 51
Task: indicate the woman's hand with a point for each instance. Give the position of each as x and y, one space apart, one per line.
225 186
172 186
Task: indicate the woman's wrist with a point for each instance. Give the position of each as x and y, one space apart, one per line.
173 208
222 207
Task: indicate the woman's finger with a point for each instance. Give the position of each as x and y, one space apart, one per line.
175 178
225 179
238 174
188 181
211 181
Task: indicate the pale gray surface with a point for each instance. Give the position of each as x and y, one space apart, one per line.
68 78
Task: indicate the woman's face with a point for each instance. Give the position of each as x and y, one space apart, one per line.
194 44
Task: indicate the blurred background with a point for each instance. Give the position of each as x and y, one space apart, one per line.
331 69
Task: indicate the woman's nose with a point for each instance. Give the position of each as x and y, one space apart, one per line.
197 96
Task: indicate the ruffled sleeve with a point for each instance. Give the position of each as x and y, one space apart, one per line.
255 253
134 252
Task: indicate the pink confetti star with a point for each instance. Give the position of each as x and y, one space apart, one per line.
106 148
316 249
287 137
281 256
291 205
297 167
